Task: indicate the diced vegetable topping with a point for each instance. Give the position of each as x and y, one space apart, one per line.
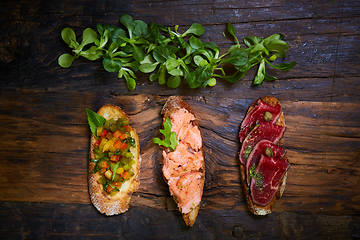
112 154
108 174
99 131
103 133
109 188
115 158
120 145
126 175
120 170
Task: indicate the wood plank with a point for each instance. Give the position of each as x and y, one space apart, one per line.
209 11
48 147
82 221
324 47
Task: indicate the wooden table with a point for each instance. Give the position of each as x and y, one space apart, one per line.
45 137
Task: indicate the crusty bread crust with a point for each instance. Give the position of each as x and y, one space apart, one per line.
119 203
172 104
254 208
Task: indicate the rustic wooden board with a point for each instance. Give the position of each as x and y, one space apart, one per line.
80 221
55 148
45 136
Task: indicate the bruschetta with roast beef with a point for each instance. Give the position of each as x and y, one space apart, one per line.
114 160
263 162
183 157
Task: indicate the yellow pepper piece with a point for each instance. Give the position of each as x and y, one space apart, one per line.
108 174
120 170
102 144
108 145
99 131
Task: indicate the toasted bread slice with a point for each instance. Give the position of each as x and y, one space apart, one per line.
172 104
119 203
254 208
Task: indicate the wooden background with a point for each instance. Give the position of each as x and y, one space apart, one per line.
44 133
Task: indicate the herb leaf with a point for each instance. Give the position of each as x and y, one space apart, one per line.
260 74
169 136
196 29
173 82
65 60
91 54
68 35
283 66
111 65
95 120
89 36
257 176
247 152
114 167
231 30
195 43
148 67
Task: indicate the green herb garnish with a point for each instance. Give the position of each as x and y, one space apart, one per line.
95 120
171 56
247 152
94 160
169 136
269 152
257 176
114 167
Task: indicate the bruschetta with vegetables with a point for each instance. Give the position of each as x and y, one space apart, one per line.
183 157
263 162
114 160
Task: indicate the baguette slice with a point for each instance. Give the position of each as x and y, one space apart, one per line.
119 203
254 208
172 104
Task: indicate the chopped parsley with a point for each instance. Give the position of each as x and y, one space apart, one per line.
257 176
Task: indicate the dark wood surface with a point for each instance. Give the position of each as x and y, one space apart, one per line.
45 136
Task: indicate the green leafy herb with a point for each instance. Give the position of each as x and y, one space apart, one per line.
69 37
196 29
114 167
169 136
231 31
257 176
95 120
170 56
89 36
247 152
269 152
65 60
94 160
174 81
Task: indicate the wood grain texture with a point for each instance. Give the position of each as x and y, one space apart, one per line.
324 43
45 136
80 221
318 139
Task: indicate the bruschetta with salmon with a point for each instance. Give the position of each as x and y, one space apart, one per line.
114 160
183 157
263 162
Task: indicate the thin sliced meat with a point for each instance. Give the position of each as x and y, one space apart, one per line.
187 189
260 149
268 175
256 116
265 130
